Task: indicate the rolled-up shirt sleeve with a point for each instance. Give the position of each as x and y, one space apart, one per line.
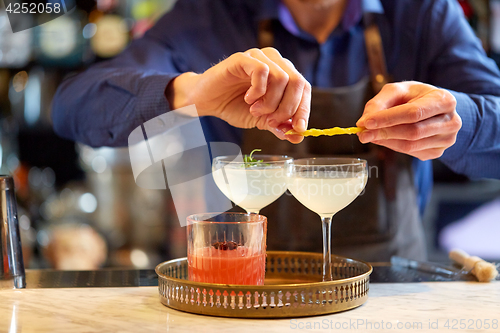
477 150
458 62
101 106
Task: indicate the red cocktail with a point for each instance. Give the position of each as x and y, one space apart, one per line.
238 266
228 248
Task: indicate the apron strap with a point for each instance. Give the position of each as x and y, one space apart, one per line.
265 36
375 53
379 77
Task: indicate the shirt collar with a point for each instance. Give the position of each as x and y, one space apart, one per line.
275 9
355 10
373 6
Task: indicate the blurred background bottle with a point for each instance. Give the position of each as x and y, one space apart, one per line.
79 207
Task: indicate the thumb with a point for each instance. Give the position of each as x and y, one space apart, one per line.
390 95
282 128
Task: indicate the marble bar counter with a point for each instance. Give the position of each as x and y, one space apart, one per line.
391 307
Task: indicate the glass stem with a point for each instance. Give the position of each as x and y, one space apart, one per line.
326 222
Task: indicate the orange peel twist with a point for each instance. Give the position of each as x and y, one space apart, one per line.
328 131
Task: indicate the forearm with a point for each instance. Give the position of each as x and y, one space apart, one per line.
101 106
178 91
476 152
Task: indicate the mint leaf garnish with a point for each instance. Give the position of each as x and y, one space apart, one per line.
252 162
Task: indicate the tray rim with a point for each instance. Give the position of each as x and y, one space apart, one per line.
266 286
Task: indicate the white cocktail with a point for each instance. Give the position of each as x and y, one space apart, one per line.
323 194
252 185
326 186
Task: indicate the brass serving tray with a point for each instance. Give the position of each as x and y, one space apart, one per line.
293 288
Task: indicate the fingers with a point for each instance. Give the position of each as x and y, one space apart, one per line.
405 103
402 147
244 66
301 117
280 130
441 124
417 143
424 106
429 154
413 147
277 81
392 94
286 99
295 101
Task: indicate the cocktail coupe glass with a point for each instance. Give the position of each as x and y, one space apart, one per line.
252 185
326 186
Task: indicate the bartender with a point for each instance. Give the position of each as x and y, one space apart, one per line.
412 73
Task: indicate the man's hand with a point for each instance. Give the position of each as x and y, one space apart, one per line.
412 118
257 88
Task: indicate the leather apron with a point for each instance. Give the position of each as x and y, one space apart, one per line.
384 220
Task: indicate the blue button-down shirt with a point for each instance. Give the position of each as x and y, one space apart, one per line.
427 41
